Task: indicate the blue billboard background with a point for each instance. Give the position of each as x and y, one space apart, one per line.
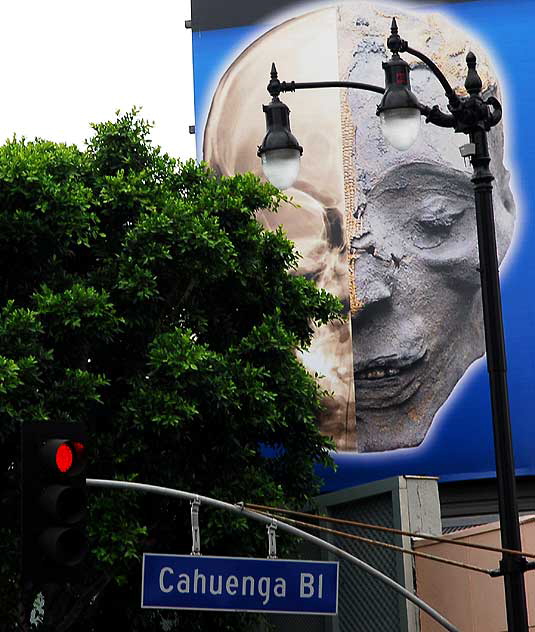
461 446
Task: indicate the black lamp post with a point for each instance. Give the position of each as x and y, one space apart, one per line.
400 114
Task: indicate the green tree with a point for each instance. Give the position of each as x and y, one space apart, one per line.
140 295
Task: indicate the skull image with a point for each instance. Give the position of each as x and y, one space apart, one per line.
392 234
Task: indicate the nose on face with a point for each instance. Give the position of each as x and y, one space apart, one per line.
374 279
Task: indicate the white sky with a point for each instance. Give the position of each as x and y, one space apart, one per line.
66 63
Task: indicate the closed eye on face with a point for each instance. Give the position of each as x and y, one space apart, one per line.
421 203
442 212
437 223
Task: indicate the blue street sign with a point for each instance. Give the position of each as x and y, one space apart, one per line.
193 582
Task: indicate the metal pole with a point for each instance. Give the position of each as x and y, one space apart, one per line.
512 566
268 520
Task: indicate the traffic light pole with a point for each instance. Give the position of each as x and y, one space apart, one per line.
240 509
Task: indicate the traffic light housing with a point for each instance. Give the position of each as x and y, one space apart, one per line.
53 501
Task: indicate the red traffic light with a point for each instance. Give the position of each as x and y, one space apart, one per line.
68 454
64 457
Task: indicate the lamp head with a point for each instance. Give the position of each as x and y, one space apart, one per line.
399 109
280 152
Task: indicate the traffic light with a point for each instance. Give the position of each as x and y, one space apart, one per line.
53 501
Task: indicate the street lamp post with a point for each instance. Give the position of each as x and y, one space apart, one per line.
400 114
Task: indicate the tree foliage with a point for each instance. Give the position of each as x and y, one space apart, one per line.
140 295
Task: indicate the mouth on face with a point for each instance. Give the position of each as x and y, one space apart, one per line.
389 380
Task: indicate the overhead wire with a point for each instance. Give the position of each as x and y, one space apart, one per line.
353 536
375 527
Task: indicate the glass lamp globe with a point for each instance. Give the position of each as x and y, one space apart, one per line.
281 166
400 126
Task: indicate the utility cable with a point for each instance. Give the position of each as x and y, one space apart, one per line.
375 527
386 545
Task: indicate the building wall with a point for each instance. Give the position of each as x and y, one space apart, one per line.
472 601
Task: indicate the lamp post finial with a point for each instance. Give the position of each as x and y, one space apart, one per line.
274 85
473 83
394 42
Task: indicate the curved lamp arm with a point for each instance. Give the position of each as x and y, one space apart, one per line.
275 87
450 92
435 116
496 114
292 86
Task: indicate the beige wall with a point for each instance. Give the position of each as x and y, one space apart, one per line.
472 601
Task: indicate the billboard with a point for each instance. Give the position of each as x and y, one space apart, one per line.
393 234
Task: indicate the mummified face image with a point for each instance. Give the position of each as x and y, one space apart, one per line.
393 234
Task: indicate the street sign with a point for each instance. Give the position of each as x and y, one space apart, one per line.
193 582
